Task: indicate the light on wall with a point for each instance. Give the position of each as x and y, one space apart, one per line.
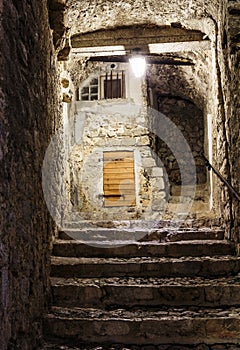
138 64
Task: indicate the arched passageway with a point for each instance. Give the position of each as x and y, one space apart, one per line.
38 43
106 114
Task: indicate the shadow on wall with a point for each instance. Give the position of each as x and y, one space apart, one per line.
189 119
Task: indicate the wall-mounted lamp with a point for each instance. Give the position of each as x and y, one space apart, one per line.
138 63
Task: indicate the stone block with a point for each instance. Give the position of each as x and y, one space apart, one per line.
157 172
142 140
148 162
157 184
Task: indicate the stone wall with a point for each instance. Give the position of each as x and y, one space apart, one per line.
220 21
113 125
87 166
185 95
92 15
189 119
228 114
28 117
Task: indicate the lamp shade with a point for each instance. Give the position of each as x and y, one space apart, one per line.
138 65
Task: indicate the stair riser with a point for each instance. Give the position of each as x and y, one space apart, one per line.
130 296
152 269
146 331
134 250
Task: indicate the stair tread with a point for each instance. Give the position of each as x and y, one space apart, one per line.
147 282
142 314
59 346
131 248
147 227
60 260
190 284
146 243
128 233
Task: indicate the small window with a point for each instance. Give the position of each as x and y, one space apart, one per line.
90 92
113 88
113 85
109 85
118 179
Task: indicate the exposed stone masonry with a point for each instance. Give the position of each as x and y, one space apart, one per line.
144 294
31 113
114 131
104 15
189 120
230 80
111 125
28 117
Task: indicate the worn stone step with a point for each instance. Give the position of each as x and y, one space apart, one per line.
51 345
208 222
174 326
145 267
72 248
165 234
132 292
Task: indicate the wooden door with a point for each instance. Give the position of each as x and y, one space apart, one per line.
119 179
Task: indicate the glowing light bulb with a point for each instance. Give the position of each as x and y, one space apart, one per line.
138 65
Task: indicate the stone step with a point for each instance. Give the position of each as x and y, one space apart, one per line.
202 223
145 267
170 326
123 234
73 248
61 346
153 292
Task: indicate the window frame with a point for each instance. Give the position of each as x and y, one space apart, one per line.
111 74
114 75
89 93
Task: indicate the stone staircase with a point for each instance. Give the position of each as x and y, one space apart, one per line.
173 289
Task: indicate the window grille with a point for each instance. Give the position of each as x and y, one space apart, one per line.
114 85
110 85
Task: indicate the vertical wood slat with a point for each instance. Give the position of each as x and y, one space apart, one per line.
119 179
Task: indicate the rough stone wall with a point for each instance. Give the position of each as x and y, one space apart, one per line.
187 82
92 15
125 136
223 16
229 109
189 120
185 95
28 116
113 125
234 111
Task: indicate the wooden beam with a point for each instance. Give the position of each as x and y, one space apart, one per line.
150 60
135 36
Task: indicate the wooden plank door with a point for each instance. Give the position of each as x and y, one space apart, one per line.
118 179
